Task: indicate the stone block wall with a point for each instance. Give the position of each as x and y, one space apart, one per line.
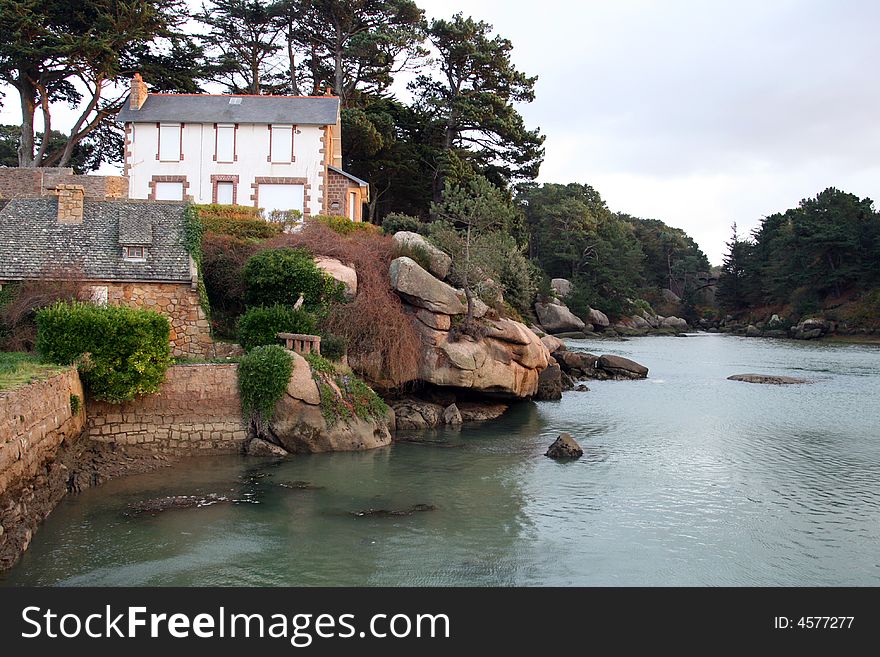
34 423
196 411
190 329
338 187
37 181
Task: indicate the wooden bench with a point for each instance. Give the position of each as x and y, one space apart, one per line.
301 343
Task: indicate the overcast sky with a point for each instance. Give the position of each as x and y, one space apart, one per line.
700 112
696 112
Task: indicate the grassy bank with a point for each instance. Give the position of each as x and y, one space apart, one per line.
19 369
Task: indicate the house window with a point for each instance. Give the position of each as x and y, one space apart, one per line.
169 191
225 193
281 144
280 199
225 146
352 205
170 144
133 253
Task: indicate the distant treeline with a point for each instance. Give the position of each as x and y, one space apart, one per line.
611 258
821 253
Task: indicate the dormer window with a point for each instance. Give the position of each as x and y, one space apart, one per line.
133 253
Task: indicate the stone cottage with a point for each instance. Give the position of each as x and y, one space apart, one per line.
124 251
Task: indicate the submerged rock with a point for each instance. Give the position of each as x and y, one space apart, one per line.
260 447
769 379
564 447
299 485
159 504
452 416
385 513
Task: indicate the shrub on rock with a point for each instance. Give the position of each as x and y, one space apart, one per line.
281 275
263 374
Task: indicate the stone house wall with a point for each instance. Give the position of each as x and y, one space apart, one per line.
190 329
338 188
196 411
37 181
35 421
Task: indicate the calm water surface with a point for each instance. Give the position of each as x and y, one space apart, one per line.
688 479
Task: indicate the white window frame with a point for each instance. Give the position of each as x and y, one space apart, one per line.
134 253
224 143
161 185
266 211
352 204
280 140
221 184
170 147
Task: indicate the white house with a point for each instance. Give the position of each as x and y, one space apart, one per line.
272 152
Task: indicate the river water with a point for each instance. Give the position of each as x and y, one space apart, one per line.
687 479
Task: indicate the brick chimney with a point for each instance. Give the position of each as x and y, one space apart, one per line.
70 203
138 92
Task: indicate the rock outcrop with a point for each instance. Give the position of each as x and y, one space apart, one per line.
343 273
504 358
299 425
580 365
412 244
414 413
553 343
564 447
810 329
561 287
621 367
598 319
417 286
550 383
555 318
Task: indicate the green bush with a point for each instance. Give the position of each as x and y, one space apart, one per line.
263 375
260 326
344 225
333 346
281 275
396 222
239 221
75 404
121 352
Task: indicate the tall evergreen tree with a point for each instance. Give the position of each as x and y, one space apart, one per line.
473 99
55 51
243 44
352 45
732 291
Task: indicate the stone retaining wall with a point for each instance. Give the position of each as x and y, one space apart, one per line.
196 411
34 423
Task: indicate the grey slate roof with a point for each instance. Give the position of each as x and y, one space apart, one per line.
362 183
135 230
34 245
203 108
